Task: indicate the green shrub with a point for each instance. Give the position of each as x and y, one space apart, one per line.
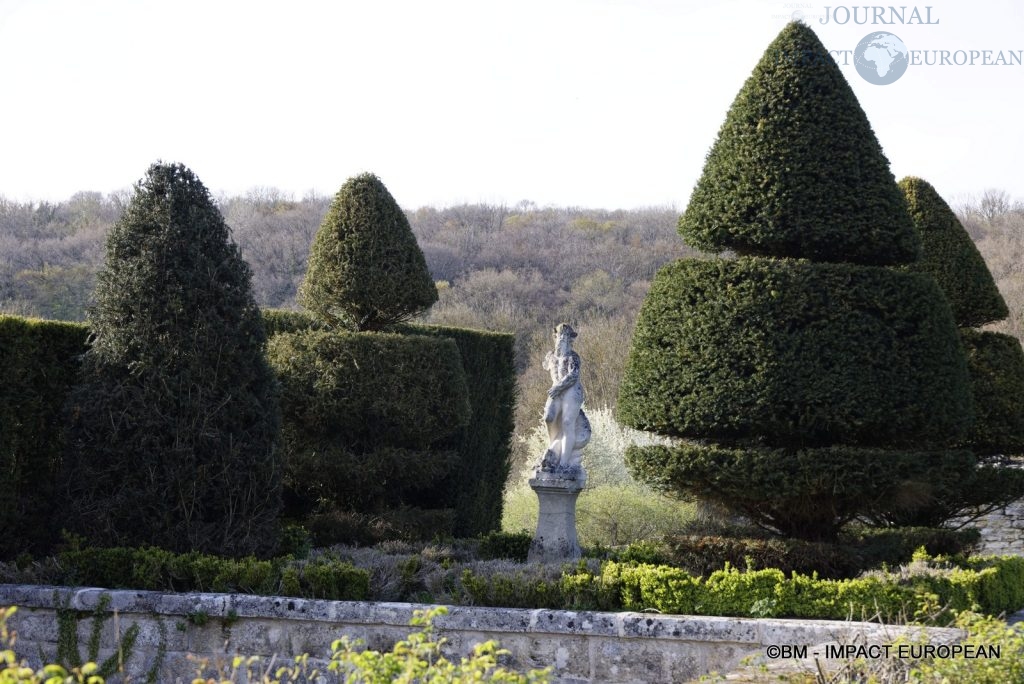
511 545
366 271
157 569
796 354
929 591
702 555
950 256
176 403
796 170
984 632
38 364
646 552
325 578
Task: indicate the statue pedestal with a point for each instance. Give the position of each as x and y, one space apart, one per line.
555 540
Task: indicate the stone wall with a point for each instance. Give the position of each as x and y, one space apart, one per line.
581 646
1002 531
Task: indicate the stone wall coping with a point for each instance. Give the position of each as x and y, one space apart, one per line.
479 619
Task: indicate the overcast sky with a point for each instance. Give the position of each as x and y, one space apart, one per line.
593 103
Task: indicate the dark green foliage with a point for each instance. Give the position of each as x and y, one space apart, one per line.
368 417
511 545
156 569
645 551
805 493
702 555
796 170
896 545
372 389
949 256
996 365
332 525
474 487
795 353
38 363
174 423
366 270
276 321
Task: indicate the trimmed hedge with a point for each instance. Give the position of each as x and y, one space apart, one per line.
371 389
474 487
155 569
994 585
38 364
366 270
369 418
796 353
797 171
787 489
950 256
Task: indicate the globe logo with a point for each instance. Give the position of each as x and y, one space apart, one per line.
881 58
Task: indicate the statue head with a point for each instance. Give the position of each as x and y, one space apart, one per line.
564 335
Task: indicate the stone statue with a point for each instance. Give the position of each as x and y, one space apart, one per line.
561 477
568 427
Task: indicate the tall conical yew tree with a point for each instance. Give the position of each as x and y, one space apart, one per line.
175 420
366 270
995 363
816 379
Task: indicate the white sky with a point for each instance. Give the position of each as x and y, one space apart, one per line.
593 103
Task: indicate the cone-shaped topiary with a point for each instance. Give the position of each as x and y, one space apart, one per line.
174 431
796 170
806 359
949 256
995 363
366 270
